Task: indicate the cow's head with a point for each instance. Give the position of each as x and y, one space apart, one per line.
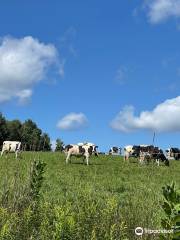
93 150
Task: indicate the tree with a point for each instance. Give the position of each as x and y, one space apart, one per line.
36 139
3 129
30 135
45 142
14 130
59 145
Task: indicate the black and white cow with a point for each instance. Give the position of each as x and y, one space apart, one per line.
11 146
153 154
173 153
131 151
85 151
115 151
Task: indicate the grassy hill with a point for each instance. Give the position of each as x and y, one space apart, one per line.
106 200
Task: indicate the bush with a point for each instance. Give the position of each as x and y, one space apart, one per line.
171 207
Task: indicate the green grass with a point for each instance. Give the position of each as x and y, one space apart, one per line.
105 200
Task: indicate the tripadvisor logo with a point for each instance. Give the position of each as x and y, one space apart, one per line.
139 231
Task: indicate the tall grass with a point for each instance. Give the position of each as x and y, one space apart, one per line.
106 200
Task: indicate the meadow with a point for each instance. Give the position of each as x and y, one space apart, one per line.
106 200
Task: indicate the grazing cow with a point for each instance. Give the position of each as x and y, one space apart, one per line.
145 153
158 155
85 151
173 153
144 157
11 146
95 152
134 150
153 153
115 151
128 152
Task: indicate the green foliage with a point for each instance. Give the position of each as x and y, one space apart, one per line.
171 207
28 133
59 145
106 200
36 179
45 142
14 130
3 129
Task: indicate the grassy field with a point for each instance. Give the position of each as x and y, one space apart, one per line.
106 200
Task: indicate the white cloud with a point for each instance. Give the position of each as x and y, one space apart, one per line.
23 63
72 121
165 117
161 10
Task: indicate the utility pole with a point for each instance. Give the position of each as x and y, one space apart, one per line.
153 138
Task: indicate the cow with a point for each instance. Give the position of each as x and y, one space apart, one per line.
128 152
85 150
145 153
153 154
11 146
95 152
115 151
134 150
173 153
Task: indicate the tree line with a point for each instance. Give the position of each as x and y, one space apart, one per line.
31 137
28 133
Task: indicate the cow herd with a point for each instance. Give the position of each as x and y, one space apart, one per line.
144 153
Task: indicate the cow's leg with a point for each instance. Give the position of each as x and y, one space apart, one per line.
157 160
16 154
68 157
126 158
141 160
87 159
2 152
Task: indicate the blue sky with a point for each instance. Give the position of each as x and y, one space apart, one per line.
101 71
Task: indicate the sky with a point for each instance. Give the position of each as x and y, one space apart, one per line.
106 72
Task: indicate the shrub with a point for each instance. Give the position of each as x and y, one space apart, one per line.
171 207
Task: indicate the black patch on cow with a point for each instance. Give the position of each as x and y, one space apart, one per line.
67 147
95 148
9 147
17 147
90 150
115 149
81 150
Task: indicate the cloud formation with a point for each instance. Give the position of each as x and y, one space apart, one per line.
23 63
165 117
73 121
161 10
